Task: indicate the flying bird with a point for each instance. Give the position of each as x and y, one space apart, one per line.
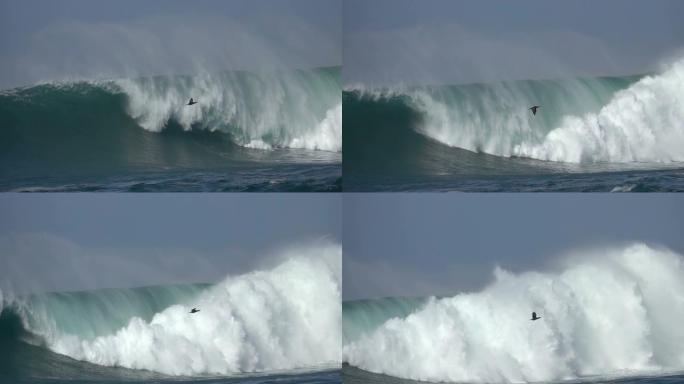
191 102
194 310
533 109
535 317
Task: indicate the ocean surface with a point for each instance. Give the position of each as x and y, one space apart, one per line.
280 325
352 375
607 134
612 316
278 131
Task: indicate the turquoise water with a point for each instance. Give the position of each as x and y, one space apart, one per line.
590 134
273 131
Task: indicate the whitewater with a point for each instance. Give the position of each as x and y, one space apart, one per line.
271 110
270 131
585 120
279 319
605 313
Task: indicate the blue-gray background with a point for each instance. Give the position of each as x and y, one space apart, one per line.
444 41
84 241
427 244
45 40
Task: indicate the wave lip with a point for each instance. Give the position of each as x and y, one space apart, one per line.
285 318
612 315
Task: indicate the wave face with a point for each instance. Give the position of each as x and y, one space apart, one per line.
594 120
280 319
362 316
617 312
145 123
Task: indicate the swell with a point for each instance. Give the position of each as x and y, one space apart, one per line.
613 312
144 123
591 120
284 318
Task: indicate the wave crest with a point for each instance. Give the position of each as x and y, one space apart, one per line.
284 318
590 120
284 109
643 123
614 314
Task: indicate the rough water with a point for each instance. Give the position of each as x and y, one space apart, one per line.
280 324
608 315
271 131
590 134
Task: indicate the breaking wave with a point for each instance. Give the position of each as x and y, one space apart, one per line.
615 312
286 109
284 318
590 120
295 109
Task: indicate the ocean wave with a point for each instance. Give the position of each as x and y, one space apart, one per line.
284 109
283 318
590 120
288 109
610 312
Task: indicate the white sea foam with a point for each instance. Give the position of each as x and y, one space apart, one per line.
264 111
288 317
327 136
644 123
580 120
611 312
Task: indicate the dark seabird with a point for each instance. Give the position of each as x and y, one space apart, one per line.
194 310
533 109
191 102
535 317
